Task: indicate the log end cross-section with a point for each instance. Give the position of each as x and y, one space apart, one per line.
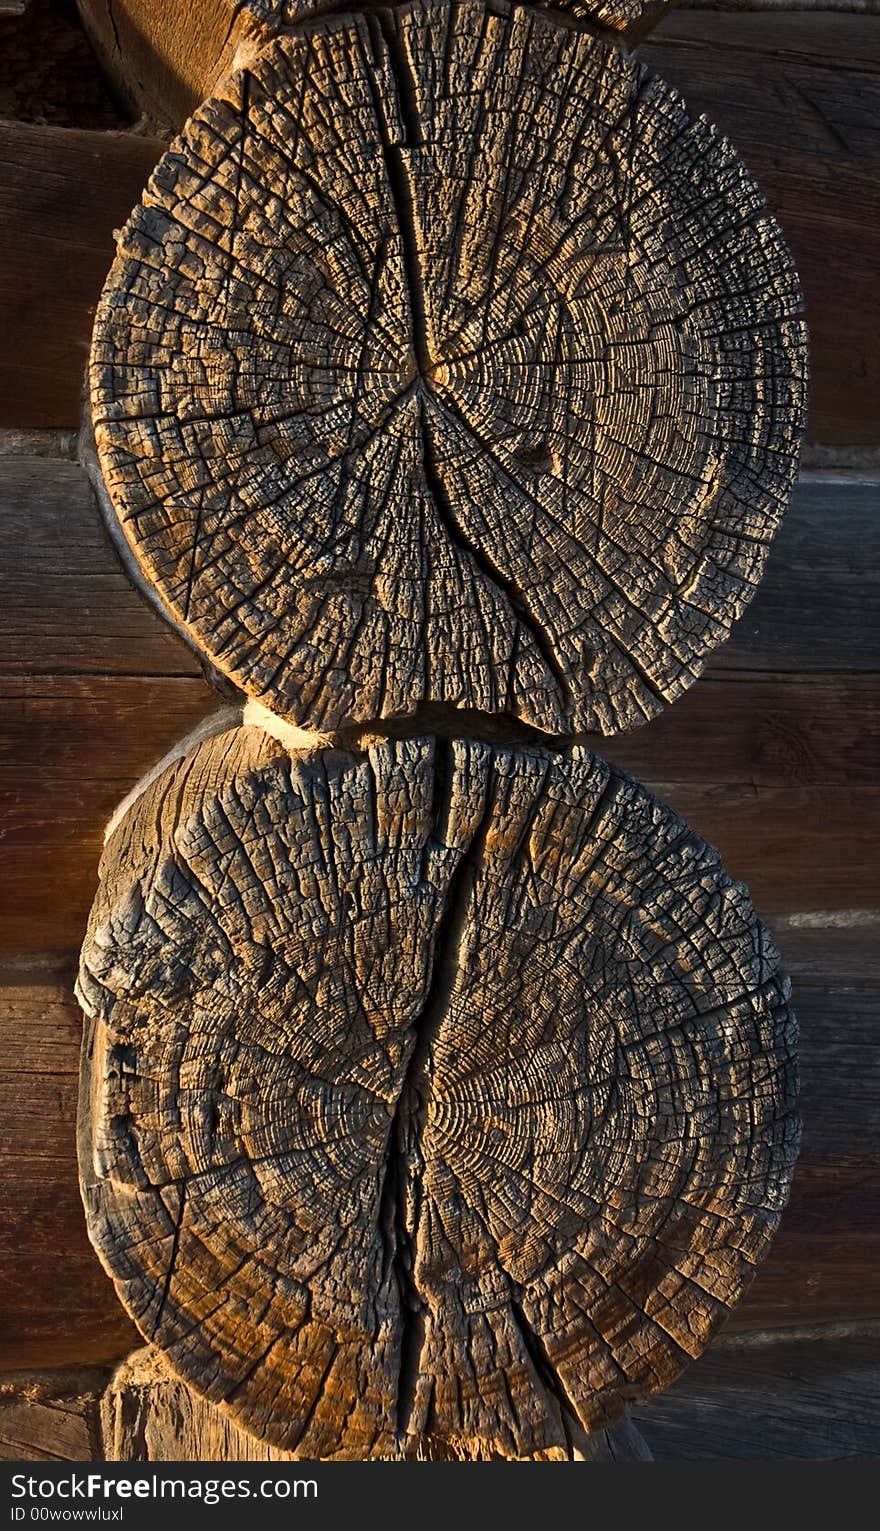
437 1098
448 360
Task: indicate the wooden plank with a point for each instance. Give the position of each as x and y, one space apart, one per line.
831 947
797 848
66 605
62 193
71 749
818 606
824 1263
799 95
56 1304
810 1397
51 1416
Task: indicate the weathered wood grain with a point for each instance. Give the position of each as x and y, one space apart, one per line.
812 1397
796 848
162 60
51 1416
439 1093
818 607
826 1259
56 1306
823 1264
66 606
800 97
793 752
630 18
70 748
62 193
489 394
822 183
782 810
149 1415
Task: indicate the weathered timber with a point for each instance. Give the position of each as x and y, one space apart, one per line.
51 1416
823 1264
818 607
149 1415
630 18
66 606
821 184
802 825
800 96
438 1094
814 1396
62 193
162 60
56 1306
856 7
485 395
48 72
798 747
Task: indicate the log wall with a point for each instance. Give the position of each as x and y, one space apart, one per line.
772 755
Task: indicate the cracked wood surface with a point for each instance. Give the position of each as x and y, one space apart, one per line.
761 78
441 1094
57 1305
94 689
630 18
149 1415
418 378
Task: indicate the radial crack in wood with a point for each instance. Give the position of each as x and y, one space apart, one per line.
448 360
437 1098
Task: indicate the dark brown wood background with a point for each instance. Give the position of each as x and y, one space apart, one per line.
772 756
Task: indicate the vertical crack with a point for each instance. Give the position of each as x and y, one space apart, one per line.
400 1200
172 1259
546 1373
486 565
387 47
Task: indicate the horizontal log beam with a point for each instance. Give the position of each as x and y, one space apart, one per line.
62 193
797 1395
51 1416
56 1305
806 1397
